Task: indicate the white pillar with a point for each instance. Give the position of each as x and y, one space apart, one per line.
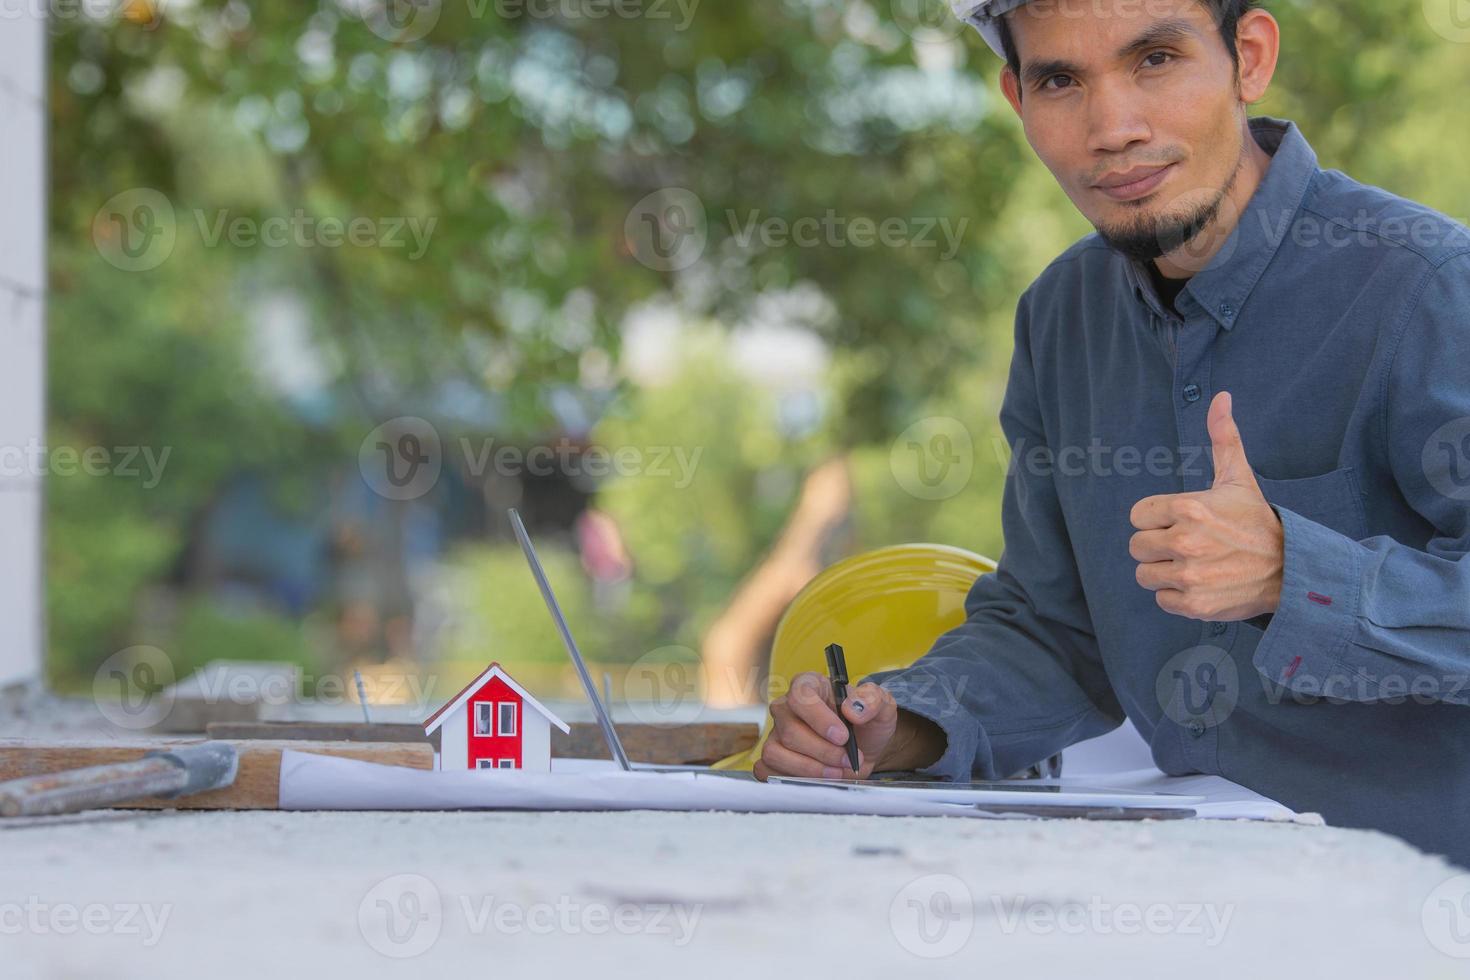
22 334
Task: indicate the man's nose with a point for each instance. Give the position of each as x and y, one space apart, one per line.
1115 119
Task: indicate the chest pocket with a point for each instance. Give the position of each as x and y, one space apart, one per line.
1331 499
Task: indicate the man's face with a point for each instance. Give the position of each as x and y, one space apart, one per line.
1133 105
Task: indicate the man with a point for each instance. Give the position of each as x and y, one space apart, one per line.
1239 415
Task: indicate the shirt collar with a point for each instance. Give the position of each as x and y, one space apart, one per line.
1222 287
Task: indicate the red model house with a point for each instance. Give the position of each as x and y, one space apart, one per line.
494 723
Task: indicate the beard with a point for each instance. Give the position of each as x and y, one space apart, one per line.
1148 237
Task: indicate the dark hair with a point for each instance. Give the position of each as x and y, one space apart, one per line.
1227 14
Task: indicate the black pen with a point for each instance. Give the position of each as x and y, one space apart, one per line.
837 673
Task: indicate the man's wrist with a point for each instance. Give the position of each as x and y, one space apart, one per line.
917 743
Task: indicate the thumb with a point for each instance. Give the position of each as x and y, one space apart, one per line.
1231 466
874 716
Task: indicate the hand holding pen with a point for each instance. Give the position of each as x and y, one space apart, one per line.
814 728
837 676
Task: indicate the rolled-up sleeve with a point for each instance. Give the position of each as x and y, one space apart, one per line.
1378 619
1022 677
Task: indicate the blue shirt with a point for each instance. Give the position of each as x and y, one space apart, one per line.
1338 316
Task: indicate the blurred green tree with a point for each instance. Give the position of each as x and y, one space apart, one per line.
521 140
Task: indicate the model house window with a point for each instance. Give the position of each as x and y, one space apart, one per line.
507 718
484 763
483 718
507 763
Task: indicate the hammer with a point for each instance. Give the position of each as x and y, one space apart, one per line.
165 774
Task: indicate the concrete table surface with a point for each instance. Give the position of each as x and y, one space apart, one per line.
705 895
128 894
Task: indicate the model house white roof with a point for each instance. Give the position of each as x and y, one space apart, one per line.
494 670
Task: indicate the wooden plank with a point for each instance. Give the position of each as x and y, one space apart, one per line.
317 731
681 745
256 788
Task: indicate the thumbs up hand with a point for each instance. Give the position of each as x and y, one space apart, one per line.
1217 554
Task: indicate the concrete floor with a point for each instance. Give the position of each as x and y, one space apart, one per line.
709 895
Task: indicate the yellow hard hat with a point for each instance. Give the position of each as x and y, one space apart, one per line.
885 608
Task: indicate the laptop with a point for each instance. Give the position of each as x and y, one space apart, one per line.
1065 799
604 718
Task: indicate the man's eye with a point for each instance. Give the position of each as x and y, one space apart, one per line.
1065 80
1158 59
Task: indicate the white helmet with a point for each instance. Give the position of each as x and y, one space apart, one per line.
984 16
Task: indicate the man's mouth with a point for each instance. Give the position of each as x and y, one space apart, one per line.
1129 185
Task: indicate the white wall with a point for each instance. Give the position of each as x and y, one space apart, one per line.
535 740
454 752
22 334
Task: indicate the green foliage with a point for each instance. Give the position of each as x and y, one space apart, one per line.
503 613
719 498
150 371
207 631
523 143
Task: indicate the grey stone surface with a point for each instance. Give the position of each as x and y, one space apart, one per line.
705 895
713 895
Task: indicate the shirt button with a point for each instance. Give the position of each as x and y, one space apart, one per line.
1226 310
1196 728
1191 393
1218 628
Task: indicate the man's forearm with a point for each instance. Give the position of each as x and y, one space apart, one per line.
917 743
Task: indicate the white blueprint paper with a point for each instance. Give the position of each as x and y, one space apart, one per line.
317 782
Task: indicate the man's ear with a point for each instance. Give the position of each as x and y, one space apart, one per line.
1258 41
1011 86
